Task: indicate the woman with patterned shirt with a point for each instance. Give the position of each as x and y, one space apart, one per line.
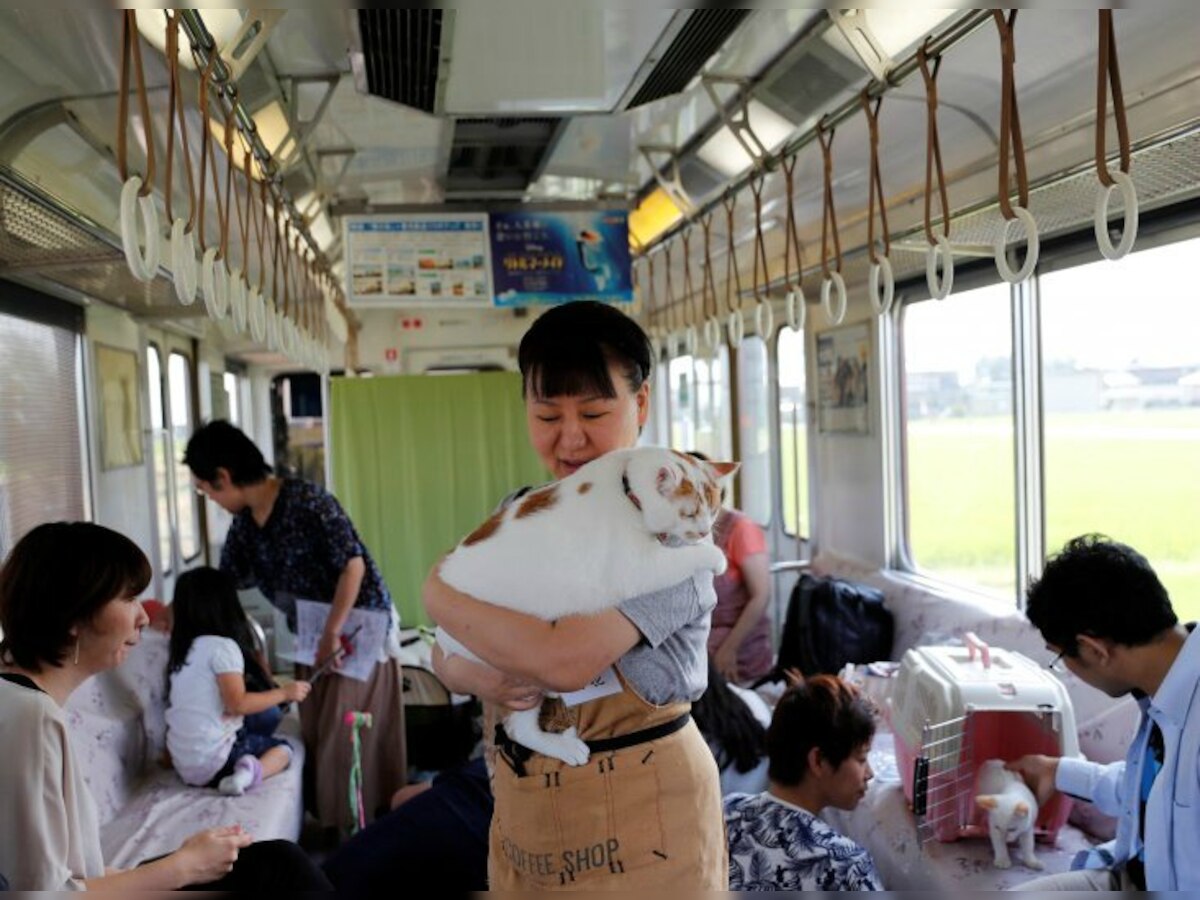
817 745
292 540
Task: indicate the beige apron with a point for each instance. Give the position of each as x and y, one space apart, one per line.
648 815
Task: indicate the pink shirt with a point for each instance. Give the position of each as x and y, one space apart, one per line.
739 537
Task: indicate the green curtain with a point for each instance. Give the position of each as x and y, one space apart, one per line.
420 460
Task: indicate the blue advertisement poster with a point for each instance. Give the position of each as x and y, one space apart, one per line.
556 257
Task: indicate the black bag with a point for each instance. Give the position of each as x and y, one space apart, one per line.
439 734
831 622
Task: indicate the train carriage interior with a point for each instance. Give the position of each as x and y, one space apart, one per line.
926 274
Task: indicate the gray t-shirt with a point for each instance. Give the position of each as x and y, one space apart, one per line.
670 663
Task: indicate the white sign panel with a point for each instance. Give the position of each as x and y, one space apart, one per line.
418 260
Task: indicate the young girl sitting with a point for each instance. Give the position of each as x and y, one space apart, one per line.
222 707
817 746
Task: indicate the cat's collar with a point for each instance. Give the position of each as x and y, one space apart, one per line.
667 540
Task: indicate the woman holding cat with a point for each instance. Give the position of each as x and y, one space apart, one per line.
645 811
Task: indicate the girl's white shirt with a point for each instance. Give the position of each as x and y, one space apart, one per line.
199 733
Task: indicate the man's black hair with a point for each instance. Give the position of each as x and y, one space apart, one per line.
220 445
1098 587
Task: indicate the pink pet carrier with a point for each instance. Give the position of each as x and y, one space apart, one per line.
953 708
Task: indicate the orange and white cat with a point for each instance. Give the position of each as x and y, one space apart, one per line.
1012 812
627 524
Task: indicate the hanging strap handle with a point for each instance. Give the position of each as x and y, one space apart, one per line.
244 221
260 234
933 145
205 152
1109 73
791 243
708 286
131 48
227 216
733 278
175 109
825 136
876 181
652 304
670 286
1010 120
760 246
689 286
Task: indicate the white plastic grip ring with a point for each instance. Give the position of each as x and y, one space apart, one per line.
1130 202
214 281
737 328
712 333
142 264
834 280
1025 217
796 310
764 319
939 288
237 301
690 340
256 314
184 269
882 270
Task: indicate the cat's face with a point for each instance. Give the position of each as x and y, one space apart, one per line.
691 489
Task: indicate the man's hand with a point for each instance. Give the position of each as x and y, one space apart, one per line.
1039 773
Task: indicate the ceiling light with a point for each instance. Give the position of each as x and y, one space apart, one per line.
654 215
272 124
724 152
222 24
895 29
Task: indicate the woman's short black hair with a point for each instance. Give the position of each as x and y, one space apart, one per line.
1099 587
569 348
823 712
60 575
220 445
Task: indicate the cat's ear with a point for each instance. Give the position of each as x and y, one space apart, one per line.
668 479
720 470
1021 810
986 801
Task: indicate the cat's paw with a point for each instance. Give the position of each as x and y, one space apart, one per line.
574 751
1033 862
1004 863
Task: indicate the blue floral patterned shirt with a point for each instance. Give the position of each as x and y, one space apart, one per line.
300 551
776 846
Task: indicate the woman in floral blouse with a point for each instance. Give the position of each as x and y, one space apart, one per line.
293 541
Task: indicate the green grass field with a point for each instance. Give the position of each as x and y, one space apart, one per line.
1132 475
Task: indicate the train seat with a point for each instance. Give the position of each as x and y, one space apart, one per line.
118 731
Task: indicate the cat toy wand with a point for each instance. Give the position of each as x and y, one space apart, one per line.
345 648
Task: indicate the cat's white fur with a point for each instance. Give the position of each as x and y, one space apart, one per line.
591 549
1012 812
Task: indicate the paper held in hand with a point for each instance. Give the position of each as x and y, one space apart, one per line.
367 645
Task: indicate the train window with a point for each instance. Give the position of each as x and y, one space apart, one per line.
714 435
681 374
231 384
754 430
1121 401
959 438
180 385
793 432
41 460
162 459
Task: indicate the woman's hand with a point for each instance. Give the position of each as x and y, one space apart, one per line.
296 691
209 855
327 646
464 676
725 661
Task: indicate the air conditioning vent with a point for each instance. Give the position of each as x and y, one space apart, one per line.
702 36
493 156
802 85
400 53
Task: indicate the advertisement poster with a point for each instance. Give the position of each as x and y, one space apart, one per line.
555 257
843 380
417 260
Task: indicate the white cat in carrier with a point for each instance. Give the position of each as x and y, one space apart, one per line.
955 708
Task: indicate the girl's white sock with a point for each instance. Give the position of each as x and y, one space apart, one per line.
247 772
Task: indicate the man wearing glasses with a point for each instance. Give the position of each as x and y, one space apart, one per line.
1106 616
